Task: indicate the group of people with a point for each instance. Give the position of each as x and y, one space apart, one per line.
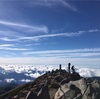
71 68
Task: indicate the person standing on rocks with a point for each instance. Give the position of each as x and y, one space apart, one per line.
69 67
60 68
73 69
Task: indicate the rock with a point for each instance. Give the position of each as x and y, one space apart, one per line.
94 96
52 93
55 86
78 86
15 97
96 83
82 85
31 95
75 76
63 89
68 92
88 93
66 80
58 78
74 92
44 93
92 91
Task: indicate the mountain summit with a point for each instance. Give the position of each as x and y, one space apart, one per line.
58 84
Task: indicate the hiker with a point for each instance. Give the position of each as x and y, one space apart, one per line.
60 68
73 69
69 67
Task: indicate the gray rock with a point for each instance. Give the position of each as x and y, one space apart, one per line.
78 86
31 95
82 85
61 91
89 93
44 93
94 96
72 93
68 92
96 83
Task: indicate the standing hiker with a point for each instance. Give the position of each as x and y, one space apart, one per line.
73 69
69 67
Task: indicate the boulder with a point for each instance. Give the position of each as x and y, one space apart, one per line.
72 89
72 93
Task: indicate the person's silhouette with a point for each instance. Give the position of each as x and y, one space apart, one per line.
73 69
69 67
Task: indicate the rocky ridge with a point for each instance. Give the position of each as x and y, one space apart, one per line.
58 84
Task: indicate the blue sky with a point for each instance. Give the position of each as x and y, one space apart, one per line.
50 32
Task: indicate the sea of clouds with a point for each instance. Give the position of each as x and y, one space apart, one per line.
27 73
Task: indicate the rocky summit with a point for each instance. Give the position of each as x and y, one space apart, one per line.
58 84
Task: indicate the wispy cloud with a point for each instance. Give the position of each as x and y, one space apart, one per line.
66 53
6 45
25 27
11 47
36 38
7 39
68 5
52 3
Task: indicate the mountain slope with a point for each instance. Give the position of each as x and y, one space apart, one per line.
57 84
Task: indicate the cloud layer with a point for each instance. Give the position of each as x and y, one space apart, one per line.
27 73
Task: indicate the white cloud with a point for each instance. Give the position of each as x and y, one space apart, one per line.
36 38
26 80
52 3
11 34
36 71
35 75
90 54
88 72
68 5
7 39
96 30
12 48
69 55
9 80
75 53
25 27
63 52
6 45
